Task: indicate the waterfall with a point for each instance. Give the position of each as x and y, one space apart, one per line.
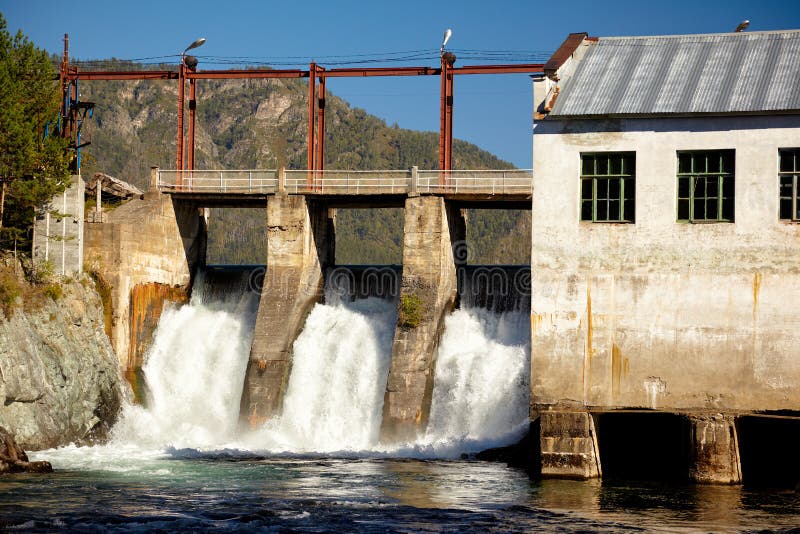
481 383
195 367
340 365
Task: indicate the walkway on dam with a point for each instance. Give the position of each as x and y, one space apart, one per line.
243 186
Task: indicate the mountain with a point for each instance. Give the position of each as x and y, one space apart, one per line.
248 124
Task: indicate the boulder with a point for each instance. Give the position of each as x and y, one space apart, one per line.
14 460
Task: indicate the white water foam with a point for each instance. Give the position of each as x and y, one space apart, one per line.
334 398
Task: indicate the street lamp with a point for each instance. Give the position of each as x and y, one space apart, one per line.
191 62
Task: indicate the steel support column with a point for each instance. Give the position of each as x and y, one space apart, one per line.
446 118
192 120
320 157
312 100
181 104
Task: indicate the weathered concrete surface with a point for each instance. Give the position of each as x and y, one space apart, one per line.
59 377
569 445
58 230
300 244
153 240
433 246
662 314
714 450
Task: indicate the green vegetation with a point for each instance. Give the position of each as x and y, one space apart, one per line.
10 291
410 312
54 291
34 163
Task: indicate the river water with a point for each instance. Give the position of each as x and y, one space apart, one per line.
182 463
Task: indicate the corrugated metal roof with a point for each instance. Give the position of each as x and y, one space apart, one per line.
748 72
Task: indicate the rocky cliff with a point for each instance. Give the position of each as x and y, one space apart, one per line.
59 377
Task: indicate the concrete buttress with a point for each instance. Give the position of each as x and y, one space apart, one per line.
714 450
146 254
300 244
569 445
433 246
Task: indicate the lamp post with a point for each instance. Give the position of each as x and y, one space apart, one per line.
181 103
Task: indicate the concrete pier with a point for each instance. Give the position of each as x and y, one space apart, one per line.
300 245
714 450
434 235
569 445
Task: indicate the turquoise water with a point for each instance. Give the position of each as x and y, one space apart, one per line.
186 490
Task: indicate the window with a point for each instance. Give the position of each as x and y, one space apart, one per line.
608 187
705 186
789 171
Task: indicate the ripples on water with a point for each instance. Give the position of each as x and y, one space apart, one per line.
176 493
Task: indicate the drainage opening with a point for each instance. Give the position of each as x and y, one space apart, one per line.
643 446
768 451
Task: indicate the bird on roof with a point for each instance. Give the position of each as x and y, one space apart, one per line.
742 26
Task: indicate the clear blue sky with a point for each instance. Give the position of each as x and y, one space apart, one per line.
493 112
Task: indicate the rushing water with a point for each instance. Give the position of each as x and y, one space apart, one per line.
181 462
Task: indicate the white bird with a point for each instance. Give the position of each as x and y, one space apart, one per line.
447 34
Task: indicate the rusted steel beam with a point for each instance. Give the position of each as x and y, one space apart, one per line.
567 48
234 74
357 72
446 118
122 75
528 68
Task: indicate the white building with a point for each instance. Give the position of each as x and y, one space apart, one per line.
666 243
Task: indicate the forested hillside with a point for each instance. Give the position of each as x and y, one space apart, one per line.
262 124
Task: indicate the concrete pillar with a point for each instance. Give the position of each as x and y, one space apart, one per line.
300 244
569 445
714 450
427 294
153 179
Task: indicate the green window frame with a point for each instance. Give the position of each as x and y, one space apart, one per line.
706 186
608 187
789 176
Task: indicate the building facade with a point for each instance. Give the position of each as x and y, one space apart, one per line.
666 243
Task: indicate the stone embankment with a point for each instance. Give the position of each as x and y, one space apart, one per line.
59 378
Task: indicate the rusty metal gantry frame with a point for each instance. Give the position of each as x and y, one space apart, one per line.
316 96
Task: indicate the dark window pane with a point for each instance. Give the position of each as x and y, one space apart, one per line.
602 211
727 208
602 165
787 158
586 210
630 189
699 187
786 208
613 188
712 187
615 165
712 208
786 187
586 189
587 165
699 209
602 188
630 208
683 187
684 163
613 210
728 161
712 161
629 165
683 210
727 187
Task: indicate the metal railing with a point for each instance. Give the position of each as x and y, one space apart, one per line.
385 182
336 182
488 182
219 181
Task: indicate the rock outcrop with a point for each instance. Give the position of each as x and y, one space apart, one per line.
59 378
14 460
